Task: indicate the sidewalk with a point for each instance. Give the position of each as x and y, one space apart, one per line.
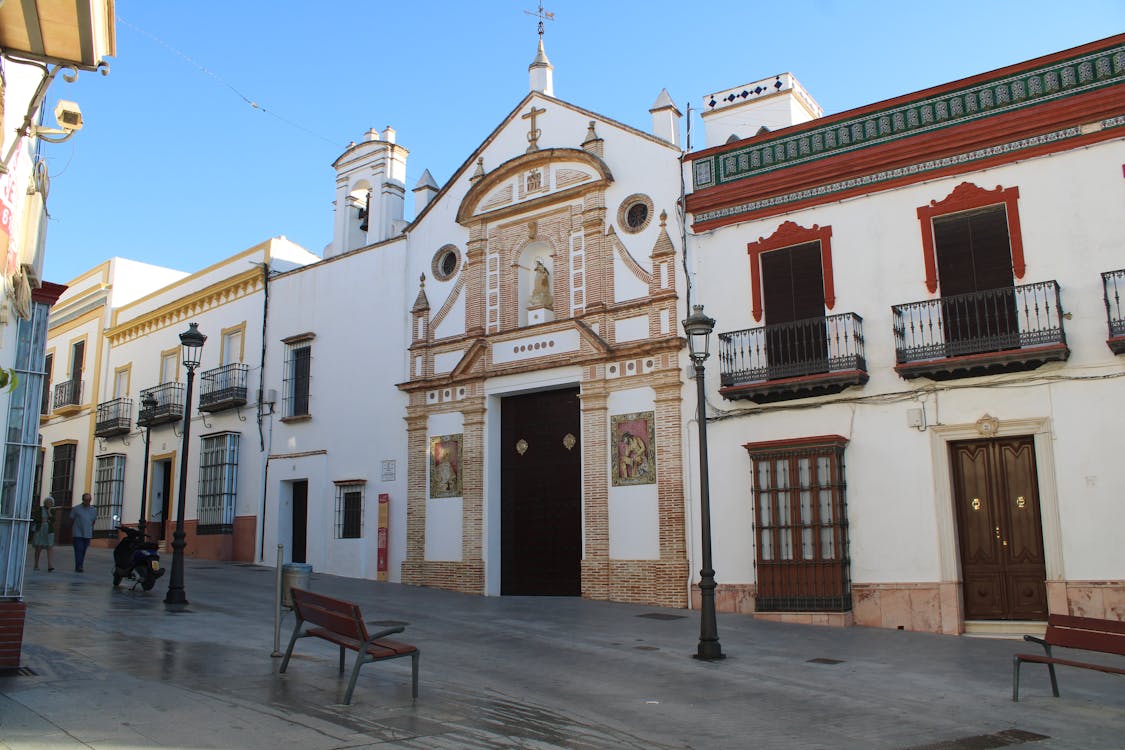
112 669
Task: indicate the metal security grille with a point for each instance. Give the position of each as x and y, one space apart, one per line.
298 368
109 493
801 526
349 511
218 483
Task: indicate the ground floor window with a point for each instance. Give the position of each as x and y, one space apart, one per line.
800 525
349 510
218 483
109 494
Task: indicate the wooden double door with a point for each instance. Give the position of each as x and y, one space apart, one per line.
1000 532
541 494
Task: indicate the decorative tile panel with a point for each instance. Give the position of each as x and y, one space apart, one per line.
1025 89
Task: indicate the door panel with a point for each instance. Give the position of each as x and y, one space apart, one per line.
793 294
541 494
999 529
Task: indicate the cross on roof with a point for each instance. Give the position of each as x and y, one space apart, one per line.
542 15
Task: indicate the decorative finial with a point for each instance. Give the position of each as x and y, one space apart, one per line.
542 15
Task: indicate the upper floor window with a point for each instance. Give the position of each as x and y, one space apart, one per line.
169 366
232 345
48 365
298 375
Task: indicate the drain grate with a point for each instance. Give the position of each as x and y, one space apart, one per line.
1006 738
646 648
825 660
18 672
661 616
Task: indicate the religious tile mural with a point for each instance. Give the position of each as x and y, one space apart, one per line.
445 466
633 441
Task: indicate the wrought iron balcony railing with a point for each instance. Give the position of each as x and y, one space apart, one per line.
1114 284
223 387
814 356
1007 329
169 405
114 418
68 393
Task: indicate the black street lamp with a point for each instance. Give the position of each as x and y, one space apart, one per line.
192 343
148 404
698 327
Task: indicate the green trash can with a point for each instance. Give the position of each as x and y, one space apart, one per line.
294 575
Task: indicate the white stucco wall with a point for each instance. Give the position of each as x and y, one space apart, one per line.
897 482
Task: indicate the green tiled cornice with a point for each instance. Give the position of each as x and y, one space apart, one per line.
1011 93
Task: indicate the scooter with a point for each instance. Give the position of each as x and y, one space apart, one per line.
136 559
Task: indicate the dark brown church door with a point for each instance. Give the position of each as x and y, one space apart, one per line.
996 493
978 301
793 294
541 494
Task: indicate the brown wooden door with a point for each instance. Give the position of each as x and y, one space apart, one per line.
541 494
999 528
793 294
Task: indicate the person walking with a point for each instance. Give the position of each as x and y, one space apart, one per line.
82 519
43 531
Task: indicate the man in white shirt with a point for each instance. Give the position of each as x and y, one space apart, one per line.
82 519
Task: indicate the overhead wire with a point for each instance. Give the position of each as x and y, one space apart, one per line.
252 103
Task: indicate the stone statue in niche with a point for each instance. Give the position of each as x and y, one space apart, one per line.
540 287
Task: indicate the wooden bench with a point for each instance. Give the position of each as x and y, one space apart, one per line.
341 622
1065 631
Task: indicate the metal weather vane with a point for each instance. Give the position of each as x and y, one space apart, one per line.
542 15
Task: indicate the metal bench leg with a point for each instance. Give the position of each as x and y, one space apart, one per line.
1054 682
341 659
359 662
1015 678
414 675
292 640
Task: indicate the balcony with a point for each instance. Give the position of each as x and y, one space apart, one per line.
1114 284
812 357
965 335
223 387
169 405
114 418
68 395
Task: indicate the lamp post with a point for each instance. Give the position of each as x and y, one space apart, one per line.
148 403
191 341
698 327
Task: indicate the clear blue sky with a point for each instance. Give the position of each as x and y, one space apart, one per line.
175 168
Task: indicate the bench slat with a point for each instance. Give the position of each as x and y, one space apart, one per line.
1088 640
1044 659
1087 623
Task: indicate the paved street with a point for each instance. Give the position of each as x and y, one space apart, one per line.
107 668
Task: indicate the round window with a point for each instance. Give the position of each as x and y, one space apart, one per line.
635 213
636 216
446 263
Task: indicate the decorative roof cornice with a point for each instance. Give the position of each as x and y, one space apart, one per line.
178 311
928 111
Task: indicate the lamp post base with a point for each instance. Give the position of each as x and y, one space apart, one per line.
709 651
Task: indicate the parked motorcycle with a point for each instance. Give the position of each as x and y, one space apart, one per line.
136 559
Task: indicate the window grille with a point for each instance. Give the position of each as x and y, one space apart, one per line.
349 510
298 366
218 483
801 526
109 493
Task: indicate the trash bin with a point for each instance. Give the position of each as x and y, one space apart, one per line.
293 575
